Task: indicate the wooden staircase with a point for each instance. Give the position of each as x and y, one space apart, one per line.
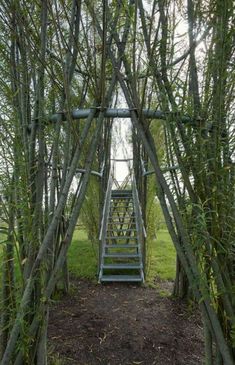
121 251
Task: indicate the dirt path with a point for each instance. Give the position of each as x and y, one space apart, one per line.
121 324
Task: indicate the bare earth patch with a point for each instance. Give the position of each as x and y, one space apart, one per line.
123 324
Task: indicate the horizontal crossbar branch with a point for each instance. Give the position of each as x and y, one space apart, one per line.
163 169
121 160
119 113
96 173
80 170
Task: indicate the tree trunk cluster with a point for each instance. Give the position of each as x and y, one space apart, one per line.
57 56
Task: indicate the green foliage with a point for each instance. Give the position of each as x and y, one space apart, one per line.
83 256
90 210
18 266
155 218
161 257
154 215
54 359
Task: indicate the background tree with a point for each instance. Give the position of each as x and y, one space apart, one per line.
58 55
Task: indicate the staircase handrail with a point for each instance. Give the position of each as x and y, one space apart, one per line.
138 209
106 208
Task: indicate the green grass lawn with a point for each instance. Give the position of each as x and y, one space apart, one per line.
161 257
83 257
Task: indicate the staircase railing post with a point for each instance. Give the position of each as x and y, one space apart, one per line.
141 232
104 220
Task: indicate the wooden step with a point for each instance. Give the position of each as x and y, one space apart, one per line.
118 210
125 266
122 196
130 246
122 255
127 278
124 222
133 238
122 230
122 214
121 219
122 203
121 192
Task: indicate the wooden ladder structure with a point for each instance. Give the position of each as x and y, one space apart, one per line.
121 237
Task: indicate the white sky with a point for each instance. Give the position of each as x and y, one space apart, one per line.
121 147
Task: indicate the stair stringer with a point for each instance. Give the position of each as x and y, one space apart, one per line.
129 250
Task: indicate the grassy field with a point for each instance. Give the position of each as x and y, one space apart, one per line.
82 257
161 257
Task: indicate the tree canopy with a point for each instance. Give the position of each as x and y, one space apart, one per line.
168 55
